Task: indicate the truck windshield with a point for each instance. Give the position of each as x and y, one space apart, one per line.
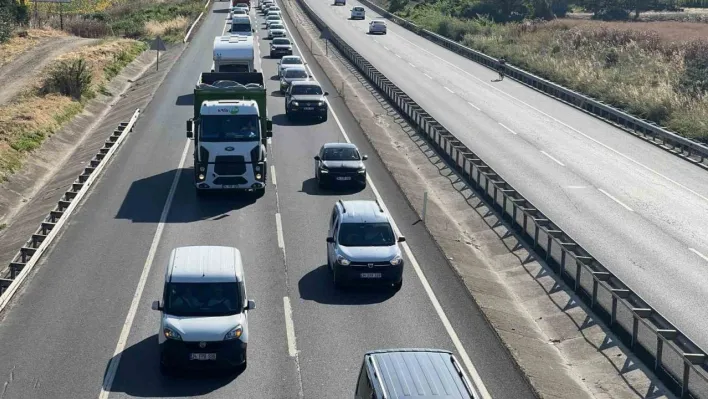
366 235
227 128
203 299
307 90
241 28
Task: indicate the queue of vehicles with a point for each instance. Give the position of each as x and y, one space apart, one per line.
204 307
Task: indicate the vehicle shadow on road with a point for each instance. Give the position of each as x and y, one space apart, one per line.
311 187
283 120
185 99
146 198
317 286
139 375
221 11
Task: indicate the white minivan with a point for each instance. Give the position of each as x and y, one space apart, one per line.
204 310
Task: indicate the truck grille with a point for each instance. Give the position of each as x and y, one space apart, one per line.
230 165
230 181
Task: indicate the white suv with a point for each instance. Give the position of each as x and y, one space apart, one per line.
358 13
204 310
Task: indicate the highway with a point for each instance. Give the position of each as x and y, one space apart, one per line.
639 210
91 296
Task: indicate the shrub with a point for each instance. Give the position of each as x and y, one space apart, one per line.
87 27
694 79
70 78
6 22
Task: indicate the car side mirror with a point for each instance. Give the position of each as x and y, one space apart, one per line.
309 76
156 305
251 305
401 239
317 157
326 93
330 239
365 157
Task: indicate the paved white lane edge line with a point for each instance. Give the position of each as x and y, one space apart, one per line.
279 228
128 324
615 199
705 258
290 327
272 175
505 127
449 89
473 106
552 158
476 379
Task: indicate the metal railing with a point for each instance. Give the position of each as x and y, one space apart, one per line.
686 148
674 358
22 264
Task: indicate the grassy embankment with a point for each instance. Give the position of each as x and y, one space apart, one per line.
56 97
654 70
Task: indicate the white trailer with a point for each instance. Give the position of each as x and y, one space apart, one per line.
234 53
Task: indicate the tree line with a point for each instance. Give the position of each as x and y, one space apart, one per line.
12 13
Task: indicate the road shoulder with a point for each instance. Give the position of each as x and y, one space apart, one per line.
562 350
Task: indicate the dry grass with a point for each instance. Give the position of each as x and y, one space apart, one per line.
669 31
17 45
157 28
26 123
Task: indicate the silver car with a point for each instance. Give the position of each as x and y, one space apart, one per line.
273 19
273 33
362 246
289 61
293 74
377 26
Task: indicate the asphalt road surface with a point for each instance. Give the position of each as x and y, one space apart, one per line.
639 210
60 336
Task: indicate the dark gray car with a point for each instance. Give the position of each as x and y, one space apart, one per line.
306 98
340 163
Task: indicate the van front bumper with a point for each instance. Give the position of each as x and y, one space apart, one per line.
177 354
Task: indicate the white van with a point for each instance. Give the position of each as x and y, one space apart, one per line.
204 310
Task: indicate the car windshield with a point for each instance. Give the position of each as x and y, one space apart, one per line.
239 11
358 9
295 73
366 235
203 299
273 18
340 154
219 128
242 5
276 26
281 41
291 61
239 28
307 90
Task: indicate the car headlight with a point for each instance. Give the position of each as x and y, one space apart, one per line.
362 170
295 103
201 176
171 334
321 103
258 176
342 260
397 260
234 334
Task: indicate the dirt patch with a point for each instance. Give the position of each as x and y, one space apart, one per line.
162 28
24 70
19 44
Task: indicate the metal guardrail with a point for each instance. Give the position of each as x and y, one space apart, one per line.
27 257
688 149
679 362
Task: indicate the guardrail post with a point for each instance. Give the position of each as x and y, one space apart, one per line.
636 314
661 335
597 277
688 360
579 260
617 292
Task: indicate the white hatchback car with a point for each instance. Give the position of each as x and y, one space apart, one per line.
358 13
204 310
377 26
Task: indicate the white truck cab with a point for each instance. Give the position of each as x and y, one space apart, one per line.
234 53
204 310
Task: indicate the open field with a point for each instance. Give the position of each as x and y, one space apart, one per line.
654 70
41 110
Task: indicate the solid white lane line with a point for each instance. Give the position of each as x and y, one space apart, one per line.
398 56
290 328
127 325
473 106
504 126
272 174
576 187
279 229
562 123
615 199
411 65
551 157
448 89
476 379
429 77
705 258
387 49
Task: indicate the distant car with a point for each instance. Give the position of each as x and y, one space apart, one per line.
276 25
377 26
362 246
274 33
342 2
271 19
265 4
244 5
274 8
293 74
281 46
306 98
237 12
272 12
340 163
289 61
358 13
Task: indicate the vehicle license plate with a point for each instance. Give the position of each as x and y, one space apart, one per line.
370 275
344 178
225 186
202 356
308 108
